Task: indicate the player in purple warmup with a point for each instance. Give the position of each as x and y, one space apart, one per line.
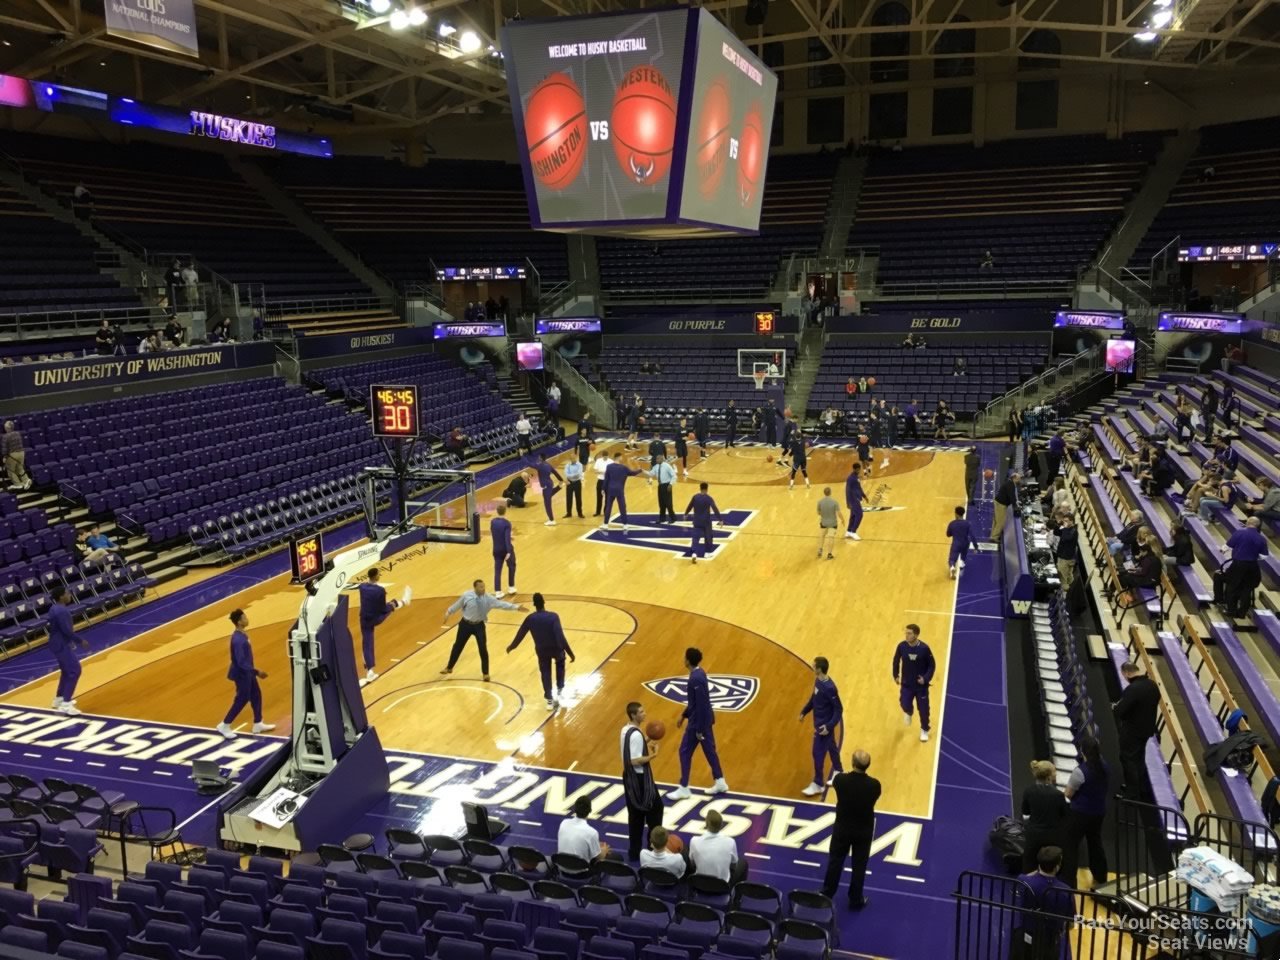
546 472
961 533
853 497
374 608
702 507
699 733
913 667
504 551
828 714
615 489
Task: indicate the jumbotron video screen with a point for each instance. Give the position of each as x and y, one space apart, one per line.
603 105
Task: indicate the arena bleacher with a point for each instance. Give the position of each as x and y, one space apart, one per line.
1042 207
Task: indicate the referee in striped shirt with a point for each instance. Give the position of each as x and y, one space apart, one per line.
475 605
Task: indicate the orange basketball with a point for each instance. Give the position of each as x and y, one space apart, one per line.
871 381
751 147
555 126
692 436
655 729
988 474
674 843
643 125
769 458
712 136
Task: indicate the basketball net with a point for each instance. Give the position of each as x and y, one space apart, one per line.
758 376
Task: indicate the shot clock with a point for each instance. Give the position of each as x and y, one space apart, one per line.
395 410
306 558
765 322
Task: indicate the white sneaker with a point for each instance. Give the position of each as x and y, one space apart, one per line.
370 676
855 536
959 566
719 787
952 571
625 527
906 719
57 702
849 535
263 727
832 779
924 736
680 793
69 708
511 590
551 704
549 523
812 790
406 597
884 463
226 731
791 484
806 482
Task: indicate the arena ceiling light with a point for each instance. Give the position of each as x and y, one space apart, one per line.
1162 18
399 20
469 41
379 6
1146 36
417 16
447 30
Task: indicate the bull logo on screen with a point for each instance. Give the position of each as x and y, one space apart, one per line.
729 693
643 125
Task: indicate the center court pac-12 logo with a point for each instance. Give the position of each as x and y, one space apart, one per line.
729 693
645 532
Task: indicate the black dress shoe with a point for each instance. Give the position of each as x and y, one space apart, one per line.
859 904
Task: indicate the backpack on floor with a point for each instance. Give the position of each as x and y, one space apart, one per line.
1009 839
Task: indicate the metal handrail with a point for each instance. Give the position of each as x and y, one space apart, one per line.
601 409
1065 368
939 289
1104 280
275 308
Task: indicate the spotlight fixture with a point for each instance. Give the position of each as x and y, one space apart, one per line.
1163 3
417 16
447 30
1146 36
399 20
469 42
1162 18
379 6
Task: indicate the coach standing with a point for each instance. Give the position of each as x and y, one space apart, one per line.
600 467
550 644
702 507
1241 578
644 805
665 474
245 676
854 829
573 472
731 425
913 667
699 733
615 489
62 641
828 713
475 605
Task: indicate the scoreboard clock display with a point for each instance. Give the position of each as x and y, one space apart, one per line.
766 322
306 557
395 410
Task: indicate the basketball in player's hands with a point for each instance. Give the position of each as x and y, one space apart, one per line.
655 730
674 843
988 474
691 437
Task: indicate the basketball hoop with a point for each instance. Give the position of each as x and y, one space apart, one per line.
758 376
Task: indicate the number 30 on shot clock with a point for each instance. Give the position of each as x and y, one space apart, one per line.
306 556
395 410
765 321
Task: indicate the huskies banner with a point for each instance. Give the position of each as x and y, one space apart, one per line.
166 24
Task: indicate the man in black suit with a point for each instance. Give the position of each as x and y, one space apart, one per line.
856 796
1136 713
1006 497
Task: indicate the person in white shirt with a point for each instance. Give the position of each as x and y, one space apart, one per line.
191 280
659 857
715 855
600 465
523 430
150 343
579 838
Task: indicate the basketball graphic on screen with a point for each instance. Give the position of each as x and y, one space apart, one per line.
711 136
751 147
555 126
643 125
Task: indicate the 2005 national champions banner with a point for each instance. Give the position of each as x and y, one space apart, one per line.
167 24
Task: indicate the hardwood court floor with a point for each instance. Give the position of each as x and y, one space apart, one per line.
762 608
